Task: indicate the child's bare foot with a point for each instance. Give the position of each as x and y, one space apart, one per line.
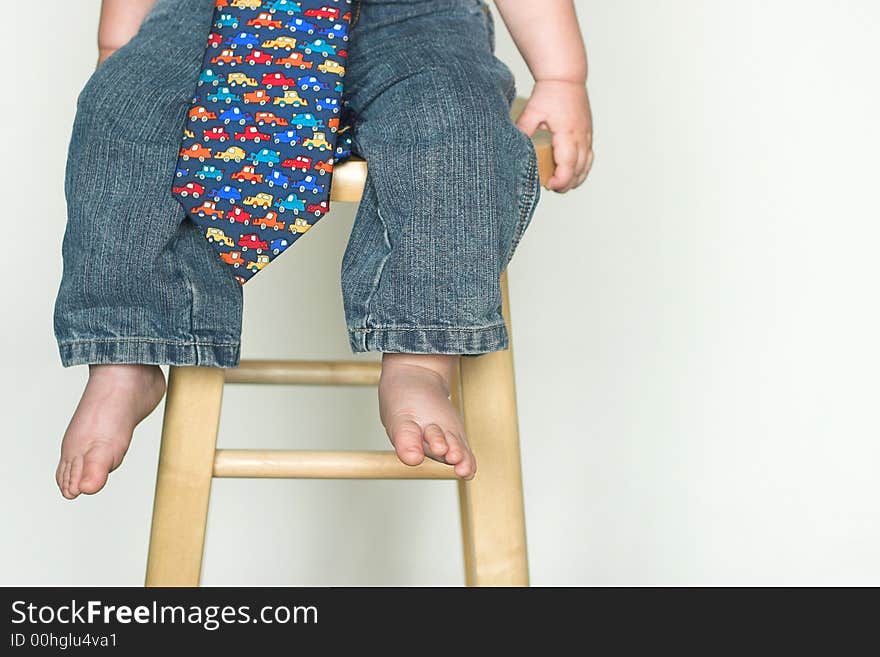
417 413
116 399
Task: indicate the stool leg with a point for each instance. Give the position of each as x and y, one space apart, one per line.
493 515
183 483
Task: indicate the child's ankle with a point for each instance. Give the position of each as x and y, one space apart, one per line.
441 364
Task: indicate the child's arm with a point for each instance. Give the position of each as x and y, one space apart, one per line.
549 39
120 21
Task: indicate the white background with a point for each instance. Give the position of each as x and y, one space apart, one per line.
695 331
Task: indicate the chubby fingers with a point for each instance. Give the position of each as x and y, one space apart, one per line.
565 156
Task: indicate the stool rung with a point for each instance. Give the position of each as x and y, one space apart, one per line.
305 372
299 464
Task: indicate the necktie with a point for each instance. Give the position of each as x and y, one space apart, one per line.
265 127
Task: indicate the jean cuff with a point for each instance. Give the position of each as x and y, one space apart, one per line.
148 351
421 340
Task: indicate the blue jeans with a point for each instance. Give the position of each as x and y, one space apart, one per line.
452 186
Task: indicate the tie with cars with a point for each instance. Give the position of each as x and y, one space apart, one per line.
265 128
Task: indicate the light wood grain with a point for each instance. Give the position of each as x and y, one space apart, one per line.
302 464
492 503
183 483
306 372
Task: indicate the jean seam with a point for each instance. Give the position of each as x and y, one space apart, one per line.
449 329
186 343
380 268
527 201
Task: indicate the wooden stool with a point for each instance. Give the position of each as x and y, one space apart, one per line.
492 517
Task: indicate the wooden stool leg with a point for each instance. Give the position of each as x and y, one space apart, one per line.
493 516
183 483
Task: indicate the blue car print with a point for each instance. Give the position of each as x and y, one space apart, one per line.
227 20
318 45
299 25
224 96
305 120
181 172
306 82
235 114
287 137
209 77
278 245
226 193
329 103
288 6
277 178
291 203
209 171
336 31
339 87
265 156
308 184
245 39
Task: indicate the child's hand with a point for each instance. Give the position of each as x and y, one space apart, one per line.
563 108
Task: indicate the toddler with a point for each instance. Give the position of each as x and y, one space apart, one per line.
452 186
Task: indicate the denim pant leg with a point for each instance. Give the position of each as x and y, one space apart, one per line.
452 182
140 282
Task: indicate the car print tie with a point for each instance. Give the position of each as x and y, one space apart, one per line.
263 133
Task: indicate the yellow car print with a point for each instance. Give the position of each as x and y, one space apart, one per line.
217 235
233 153
261 200
235 79
261 261
299 226
290 97
330 66
285 42
246 4
317 140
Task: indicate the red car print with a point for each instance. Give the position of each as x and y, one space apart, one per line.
258 57
232 258
317 208
252 242
252 133
214 40
201 113
277 80
300 162
323 12
196 151
264 20
216 133
295 59
189 189
262 118
240 216
270 221
208 209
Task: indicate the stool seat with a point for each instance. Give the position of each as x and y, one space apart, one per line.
491 505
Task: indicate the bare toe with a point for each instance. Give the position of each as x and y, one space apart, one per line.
406 435
76 470
97 464
435 442
65 481
465 463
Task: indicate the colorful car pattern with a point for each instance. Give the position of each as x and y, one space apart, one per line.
264 107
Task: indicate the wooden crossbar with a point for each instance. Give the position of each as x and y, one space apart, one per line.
305 372
300 464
